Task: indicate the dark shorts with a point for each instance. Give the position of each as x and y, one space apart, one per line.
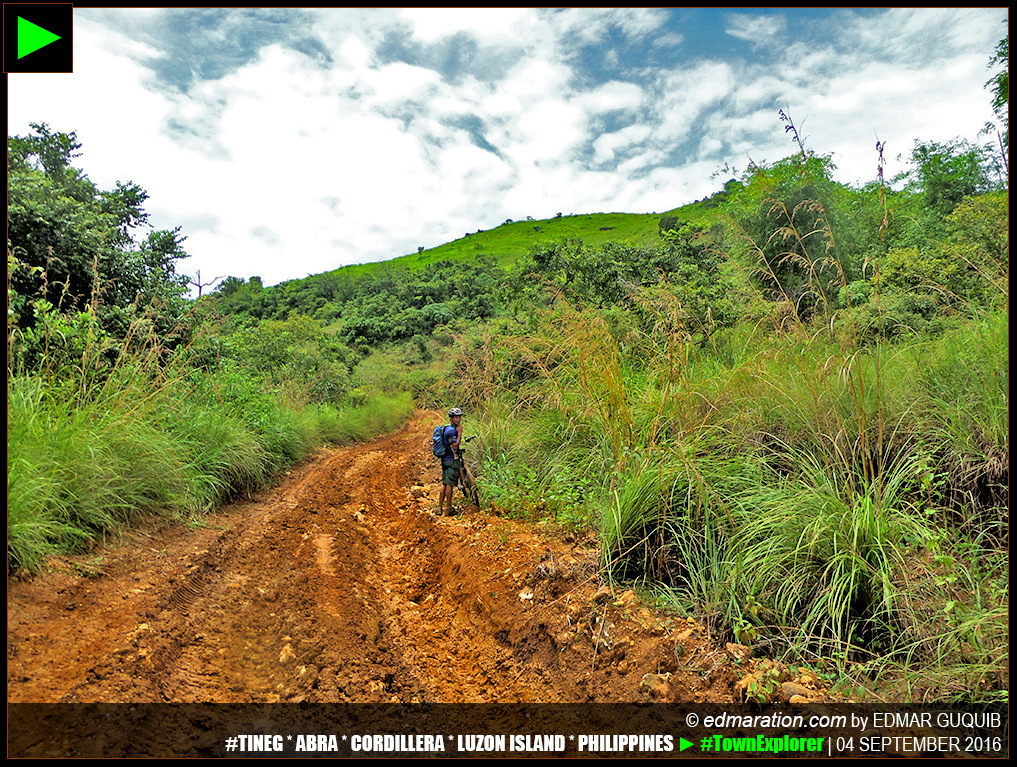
450 472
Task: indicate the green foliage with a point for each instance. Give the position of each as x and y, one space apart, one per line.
717 199
899 315
78 244
109 414
780 487
978 234
379 414
839 486
666 520
966 416
947 173
791 236
398 299
298 351
401 368
999 84
84 460
821 553
921 289
924 271
668 223
391 304
683 262
535 469
79 470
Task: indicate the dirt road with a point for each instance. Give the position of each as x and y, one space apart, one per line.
340 585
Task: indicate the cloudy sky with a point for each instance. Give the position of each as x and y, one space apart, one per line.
290 142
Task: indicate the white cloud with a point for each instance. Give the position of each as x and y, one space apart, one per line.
550 130
607 145
591 25
356 53
668 40
611 96
756 29
501 26
686 95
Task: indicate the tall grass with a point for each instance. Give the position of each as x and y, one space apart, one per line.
795 480
966 380
819 554
89 449
380 414
792 489
76 470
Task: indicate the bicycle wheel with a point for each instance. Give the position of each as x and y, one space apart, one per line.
470 489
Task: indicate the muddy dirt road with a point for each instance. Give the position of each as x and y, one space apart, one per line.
341 585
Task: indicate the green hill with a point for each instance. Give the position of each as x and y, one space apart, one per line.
399 298
512 239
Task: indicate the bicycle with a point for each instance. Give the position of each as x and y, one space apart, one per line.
467 482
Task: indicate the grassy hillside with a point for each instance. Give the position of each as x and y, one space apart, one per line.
504 244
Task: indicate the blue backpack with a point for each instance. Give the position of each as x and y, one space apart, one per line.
438 446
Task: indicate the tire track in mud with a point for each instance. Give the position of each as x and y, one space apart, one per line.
295 617
336 588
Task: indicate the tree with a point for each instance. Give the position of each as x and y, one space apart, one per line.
1000 86
52 153
947 173
81 245
229 286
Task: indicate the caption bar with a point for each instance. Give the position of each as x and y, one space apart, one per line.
195 730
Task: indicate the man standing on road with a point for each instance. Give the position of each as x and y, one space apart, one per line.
451 462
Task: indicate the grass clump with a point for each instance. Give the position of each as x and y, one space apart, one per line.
376 415
819 556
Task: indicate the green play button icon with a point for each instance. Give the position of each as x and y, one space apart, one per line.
32 37
38 37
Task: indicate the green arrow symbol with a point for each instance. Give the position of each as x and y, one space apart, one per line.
683 744
32 37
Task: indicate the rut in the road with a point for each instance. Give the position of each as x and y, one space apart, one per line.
345 590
